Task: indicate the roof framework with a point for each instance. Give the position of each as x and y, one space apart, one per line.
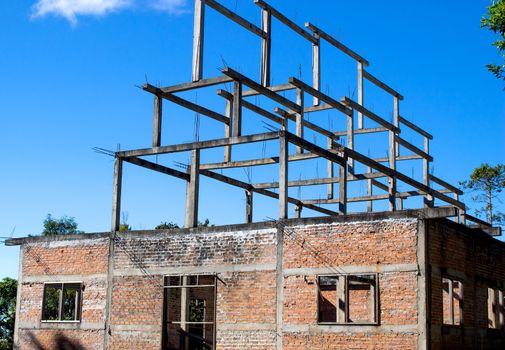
341 160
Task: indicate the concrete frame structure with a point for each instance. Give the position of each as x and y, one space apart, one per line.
268 295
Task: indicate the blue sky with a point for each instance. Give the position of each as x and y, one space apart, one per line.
70 70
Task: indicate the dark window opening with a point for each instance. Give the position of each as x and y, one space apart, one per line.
61 302
189 312
348 299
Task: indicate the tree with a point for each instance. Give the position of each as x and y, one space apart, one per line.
65 225
488 182
166 225
495 21
8 290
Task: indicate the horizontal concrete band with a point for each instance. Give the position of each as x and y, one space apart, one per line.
63 278
195 269
439 271
351 328
287 328
378 268
83 326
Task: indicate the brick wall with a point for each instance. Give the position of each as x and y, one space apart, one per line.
478 261
60 260
248 298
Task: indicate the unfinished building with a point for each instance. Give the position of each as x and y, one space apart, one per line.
402 278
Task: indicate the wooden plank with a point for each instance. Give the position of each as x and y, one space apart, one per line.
362 131
392 166
192 191
157 119
354 105
300 84
413 148
428 199
193 85
369 191
275 88
445 184
296 28
236 18
415 127
266 44
157 167
262 90
330 188
116 194
197 108
198 40
380 84
183 147
331 40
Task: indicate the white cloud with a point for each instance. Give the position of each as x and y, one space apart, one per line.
71 9
176 7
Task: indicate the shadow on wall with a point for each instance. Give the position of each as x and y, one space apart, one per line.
60 342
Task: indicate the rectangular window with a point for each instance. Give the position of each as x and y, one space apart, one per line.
452 299
348 299
189 312
62 302
495 308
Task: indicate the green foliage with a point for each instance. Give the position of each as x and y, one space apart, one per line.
8 290
495 21
65 225
487 181
166 225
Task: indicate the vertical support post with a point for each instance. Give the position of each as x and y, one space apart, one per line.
361 94
369 190
299 118
350 138
316 66
400 203
266 43
198 36
237 109
501 311
428 199
227 128
192 189
392 165
116 194
460 304
341 298
331 172
451 301
157 117
342 196
396 120
249 206
283 176
185 310
298 211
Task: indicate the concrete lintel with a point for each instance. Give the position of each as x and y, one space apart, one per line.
63 278
379 268
91 326
349 328
210 269
246 327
